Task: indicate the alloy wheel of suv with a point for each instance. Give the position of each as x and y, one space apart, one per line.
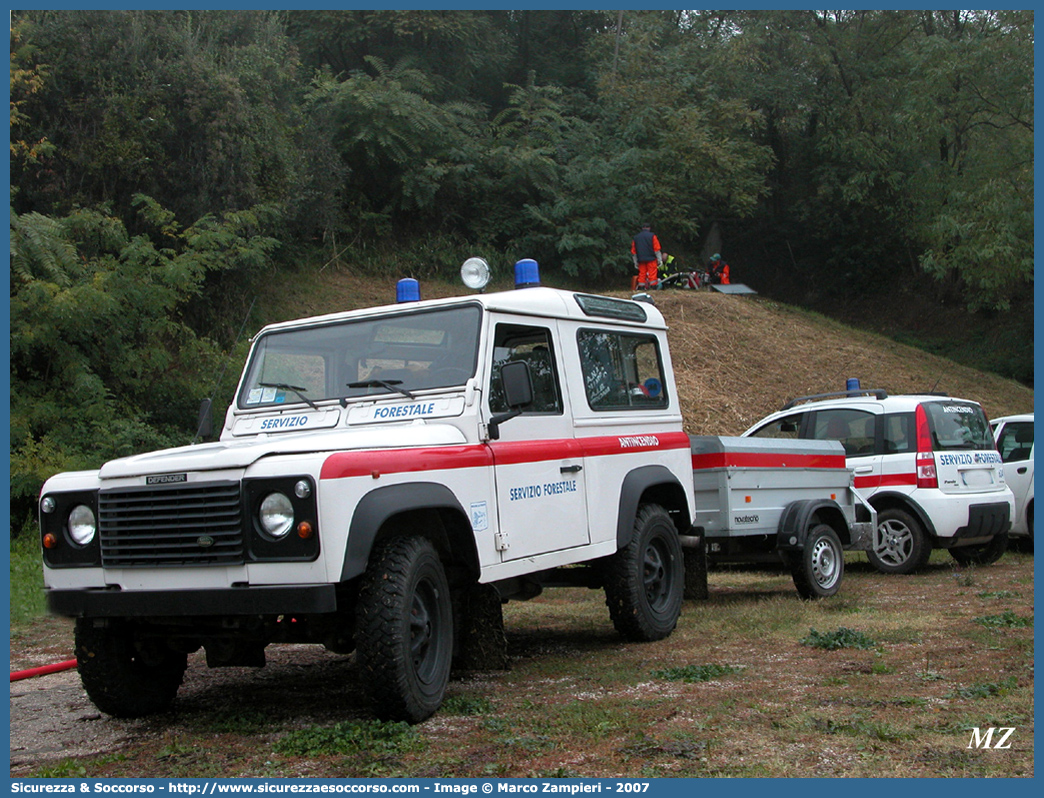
901 545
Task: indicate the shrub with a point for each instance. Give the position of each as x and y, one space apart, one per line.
842 638
376 738
695 673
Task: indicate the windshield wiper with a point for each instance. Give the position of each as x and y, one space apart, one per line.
282 386
391 385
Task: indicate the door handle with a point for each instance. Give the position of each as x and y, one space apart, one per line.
864 469
571 469
1022 470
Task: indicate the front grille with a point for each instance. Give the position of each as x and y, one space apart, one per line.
164 526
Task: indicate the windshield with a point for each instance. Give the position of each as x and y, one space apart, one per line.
384 355
958 425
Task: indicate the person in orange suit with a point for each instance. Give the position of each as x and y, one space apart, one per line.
719 270
647 257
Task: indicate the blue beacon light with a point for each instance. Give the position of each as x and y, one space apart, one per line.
407 290
527 273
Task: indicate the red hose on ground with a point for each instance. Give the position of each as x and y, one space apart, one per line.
43 670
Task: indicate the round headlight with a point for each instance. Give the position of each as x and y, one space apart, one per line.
276 515
82 525
475 273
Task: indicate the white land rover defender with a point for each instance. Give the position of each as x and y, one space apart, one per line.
378 471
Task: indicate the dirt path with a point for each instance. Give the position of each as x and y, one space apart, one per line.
52 719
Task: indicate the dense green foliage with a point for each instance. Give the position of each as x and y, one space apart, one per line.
163 162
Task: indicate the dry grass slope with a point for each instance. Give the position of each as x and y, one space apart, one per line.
739 358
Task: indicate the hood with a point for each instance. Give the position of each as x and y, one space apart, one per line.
240 454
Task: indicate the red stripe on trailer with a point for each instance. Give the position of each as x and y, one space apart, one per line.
766 460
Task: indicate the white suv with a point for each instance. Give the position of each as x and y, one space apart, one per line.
927 463
1014 436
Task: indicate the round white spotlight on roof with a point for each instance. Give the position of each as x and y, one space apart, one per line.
475 273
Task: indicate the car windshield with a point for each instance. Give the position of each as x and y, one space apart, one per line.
394 354
958 425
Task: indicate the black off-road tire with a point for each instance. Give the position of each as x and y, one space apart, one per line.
820 566
983 554
645 580
904 546
404 629
122 677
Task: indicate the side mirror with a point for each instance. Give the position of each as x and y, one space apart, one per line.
518 393
518 384
205 422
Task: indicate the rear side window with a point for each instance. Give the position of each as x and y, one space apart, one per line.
1016 441
958 425
854 428
899 433
622 371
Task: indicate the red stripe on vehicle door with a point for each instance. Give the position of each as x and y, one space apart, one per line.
885 480
401 461
441 458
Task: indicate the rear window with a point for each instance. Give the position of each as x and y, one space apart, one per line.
958 425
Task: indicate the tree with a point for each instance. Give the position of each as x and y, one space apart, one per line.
102 363
397 143
462 53
694 153
198 109
975 200
27 79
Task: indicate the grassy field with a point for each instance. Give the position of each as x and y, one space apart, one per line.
888 678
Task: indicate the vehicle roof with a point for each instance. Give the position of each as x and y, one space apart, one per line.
1016 417
535 301
896 402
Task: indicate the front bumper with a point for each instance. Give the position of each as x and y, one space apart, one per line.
267 600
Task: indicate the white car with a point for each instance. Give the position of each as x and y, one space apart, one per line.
1014 436
927 463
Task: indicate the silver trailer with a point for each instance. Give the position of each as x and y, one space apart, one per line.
772 500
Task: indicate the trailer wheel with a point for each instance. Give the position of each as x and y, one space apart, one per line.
123 677
645 580
818 568
983 554
900 543
405 629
